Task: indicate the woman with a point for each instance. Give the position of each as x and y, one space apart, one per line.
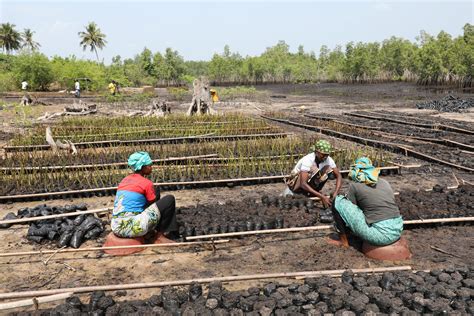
312 171
138 209
369 211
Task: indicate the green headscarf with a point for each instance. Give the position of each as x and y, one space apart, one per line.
364 172
139 159
323 146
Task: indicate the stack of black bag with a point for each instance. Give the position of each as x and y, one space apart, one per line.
67 231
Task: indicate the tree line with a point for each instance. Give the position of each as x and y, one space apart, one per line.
430 60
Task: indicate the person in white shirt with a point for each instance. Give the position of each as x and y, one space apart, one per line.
311 173
77 89
24 85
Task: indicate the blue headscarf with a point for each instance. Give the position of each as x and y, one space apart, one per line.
364 172
139 159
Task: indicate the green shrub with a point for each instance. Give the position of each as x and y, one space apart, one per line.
34 68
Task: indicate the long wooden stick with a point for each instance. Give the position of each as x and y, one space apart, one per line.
131 286
261 232
324 227
170 245
105 165
115 142
35 301
39 218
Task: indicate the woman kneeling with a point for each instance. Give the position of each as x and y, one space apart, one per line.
138 209
369 210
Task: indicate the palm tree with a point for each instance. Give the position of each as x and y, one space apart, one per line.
28 41
10 39
92 37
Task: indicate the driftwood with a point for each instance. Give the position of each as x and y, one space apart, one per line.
201 102
73 110
55 145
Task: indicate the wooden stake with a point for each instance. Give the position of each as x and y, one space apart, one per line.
35 301
176 244
131 286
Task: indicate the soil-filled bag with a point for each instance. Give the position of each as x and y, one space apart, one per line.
79 219
93 233
65 238
90 222
42 231
77 238
7 217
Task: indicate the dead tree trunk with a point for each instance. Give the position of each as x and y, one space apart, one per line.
201 102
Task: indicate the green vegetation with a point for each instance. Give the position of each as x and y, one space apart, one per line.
431 60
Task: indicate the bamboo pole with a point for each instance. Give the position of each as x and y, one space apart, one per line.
105 165
439 220
132 286
35 301
39 218
261 232
171 245
207 137
324 227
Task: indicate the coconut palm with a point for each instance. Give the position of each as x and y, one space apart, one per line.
93 38
27 40
10 39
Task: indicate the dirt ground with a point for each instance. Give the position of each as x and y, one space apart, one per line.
249 255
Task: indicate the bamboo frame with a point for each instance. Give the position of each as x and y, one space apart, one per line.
199 182
116 142
132 286
430 126
164 245
371 142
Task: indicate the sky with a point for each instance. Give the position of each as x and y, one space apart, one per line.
198 29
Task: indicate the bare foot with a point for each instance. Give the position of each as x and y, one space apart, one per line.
161 239
338 240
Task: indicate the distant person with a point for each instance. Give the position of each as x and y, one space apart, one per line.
214 96
369 210
24 86
112 87
77 89
312 172
26 99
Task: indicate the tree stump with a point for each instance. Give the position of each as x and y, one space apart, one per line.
201 102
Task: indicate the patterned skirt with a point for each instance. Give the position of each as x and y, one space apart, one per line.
380 233
129 225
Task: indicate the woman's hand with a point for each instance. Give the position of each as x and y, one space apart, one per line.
326 201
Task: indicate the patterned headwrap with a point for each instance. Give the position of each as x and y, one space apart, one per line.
364 172
323 146
139 159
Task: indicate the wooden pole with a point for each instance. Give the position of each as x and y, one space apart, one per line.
324 227
39 218
261 232
35 301
176 244
132 286
438 220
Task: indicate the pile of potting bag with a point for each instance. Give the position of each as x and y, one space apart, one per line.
64 231
449 103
